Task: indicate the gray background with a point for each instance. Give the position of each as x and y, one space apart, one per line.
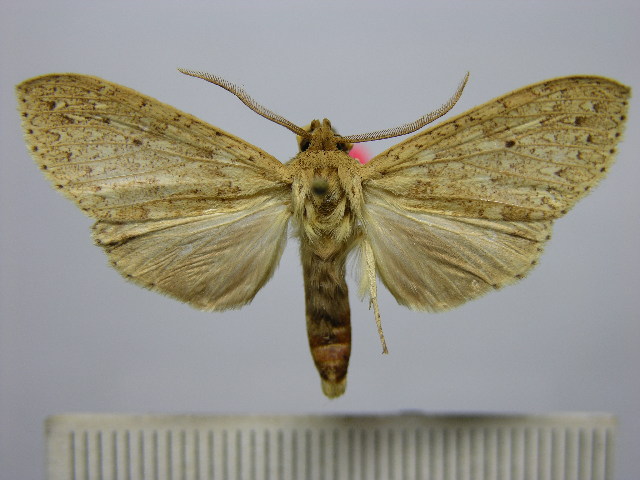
75 337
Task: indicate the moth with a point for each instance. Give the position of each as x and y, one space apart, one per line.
447 215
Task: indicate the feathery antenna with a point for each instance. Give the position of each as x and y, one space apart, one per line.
413 126
364 137
247 100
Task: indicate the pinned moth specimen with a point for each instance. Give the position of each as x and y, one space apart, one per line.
188 210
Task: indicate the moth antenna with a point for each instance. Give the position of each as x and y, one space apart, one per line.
247 100
413 126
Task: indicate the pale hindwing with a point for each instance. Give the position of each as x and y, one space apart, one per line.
214 261
435 262
183 207
465 206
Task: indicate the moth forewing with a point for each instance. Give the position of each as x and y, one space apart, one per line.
530 154
123 156
193 212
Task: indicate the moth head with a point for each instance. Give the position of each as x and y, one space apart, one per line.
322 136
319 135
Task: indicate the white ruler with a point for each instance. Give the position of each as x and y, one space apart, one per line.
392 447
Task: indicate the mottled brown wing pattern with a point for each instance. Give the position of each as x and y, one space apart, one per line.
466 206
123 156
167 189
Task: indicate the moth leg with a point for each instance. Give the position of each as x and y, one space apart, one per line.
370 272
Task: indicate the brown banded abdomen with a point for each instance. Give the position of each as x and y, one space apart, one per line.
328 317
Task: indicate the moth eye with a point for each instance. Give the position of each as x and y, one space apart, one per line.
305 143
319 186
342 146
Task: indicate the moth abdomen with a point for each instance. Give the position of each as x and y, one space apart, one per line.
328 318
